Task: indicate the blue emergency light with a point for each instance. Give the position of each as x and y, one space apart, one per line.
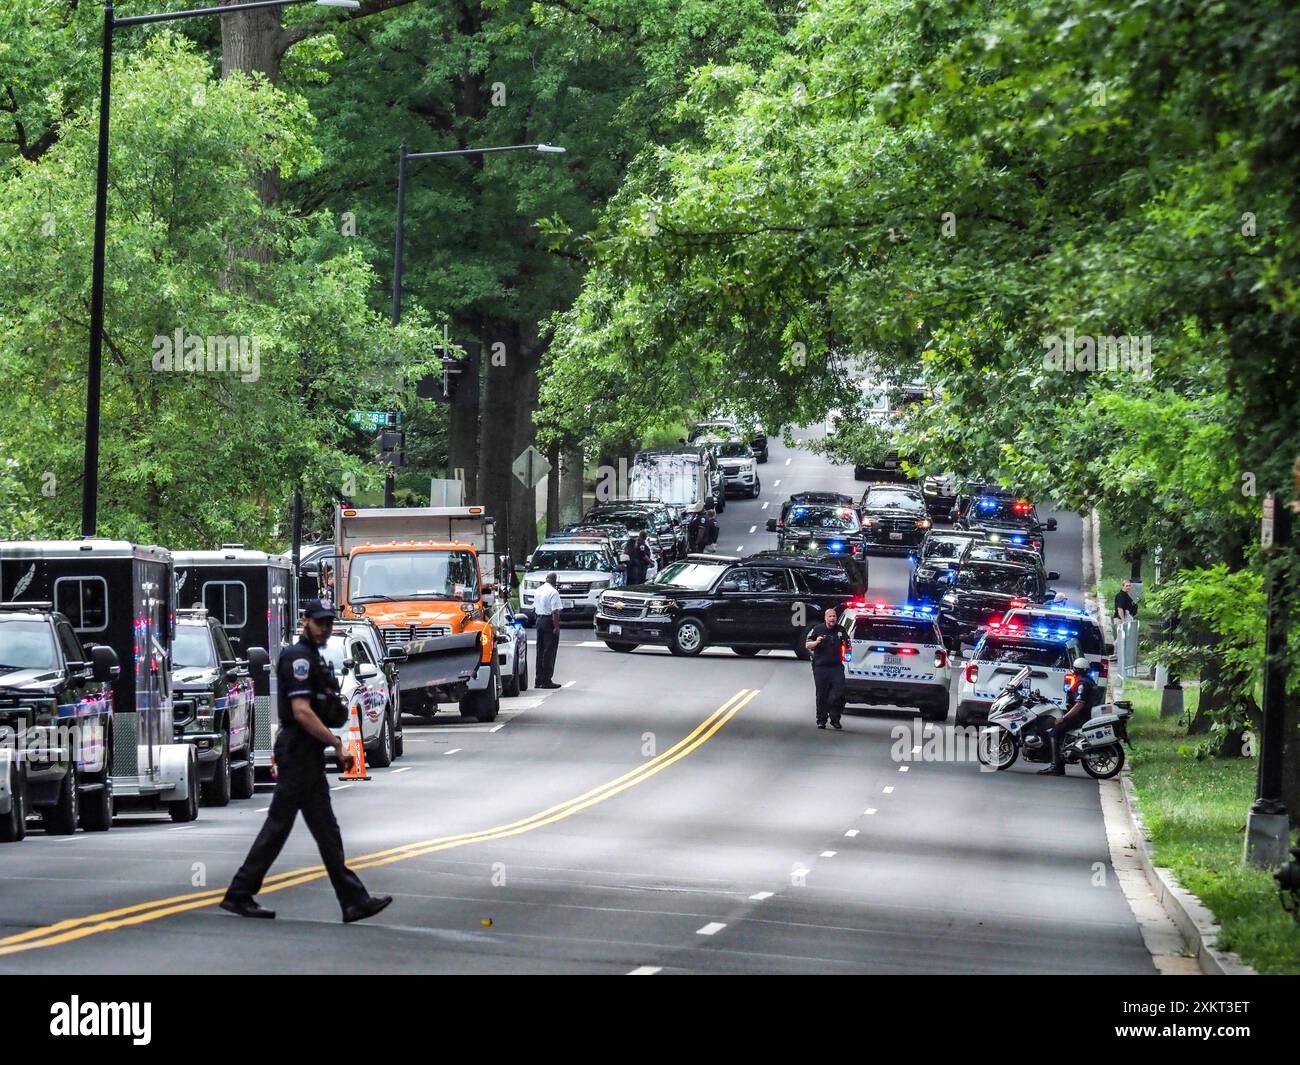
987 504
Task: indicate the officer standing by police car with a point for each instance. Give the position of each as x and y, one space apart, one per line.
827 642
309 704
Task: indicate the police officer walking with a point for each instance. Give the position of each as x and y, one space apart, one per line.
309 706
548 606
827 642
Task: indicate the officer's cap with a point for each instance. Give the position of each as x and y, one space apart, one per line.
317 610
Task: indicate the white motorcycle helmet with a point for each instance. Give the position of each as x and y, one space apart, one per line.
1081 665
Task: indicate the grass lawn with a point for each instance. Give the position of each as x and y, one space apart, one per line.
1115 568
1196 814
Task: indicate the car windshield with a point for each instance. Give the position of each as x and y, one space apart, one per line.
631 520
1013 511
559 559
413 575
940 549
894 630
26 643
733 449
693 576
997 579
839 518
1054 656
892 498
192 648
333 652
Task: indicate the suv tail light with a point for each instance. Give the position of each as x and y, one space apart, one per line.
846 653
940 658
972 673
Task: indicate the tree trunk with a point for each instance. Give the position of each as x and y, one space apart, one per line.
554 481
524 501
571 483
497 436
254 42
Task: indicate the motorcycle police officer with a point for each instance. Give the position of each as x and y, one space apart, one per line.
309 705
1083 697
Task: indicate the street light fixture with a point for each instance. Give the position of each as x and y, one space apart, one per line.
90 472
402 156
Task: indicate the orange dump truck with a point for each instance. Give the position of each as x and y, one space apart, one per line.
425 576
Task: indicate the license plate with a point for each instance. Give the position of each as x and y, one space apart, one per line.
571 602
616 628
893 660
895 536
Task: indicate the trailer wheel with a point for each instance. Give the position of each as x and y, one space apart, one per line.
187 809
61 818
13 825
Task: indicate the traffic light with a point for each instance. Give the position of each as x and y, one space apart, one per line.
458 382
389 445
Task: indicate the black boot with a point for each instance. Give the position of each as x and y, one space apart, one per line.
1057 768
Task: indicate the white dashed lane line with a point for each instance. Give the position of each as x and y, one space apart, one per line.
828 854
753 529
903 768
760 896
851 833
764 507
646 970
454 750
710 929
868 811
404 769
889 789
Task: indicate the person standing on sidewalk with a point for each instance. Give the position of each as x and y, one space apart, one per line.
827 643
548 606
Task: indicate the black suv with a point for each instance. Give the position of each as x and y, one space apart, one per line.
1001 512
768 600
212 705
983 591
664 530
937 557
824 522
49 682
894 517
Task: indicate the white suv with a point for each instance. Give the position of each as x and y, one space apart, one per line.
897 658
999 657
583 569
1061 620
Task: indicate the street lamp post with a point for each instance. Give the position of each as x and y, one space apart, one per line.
90 473
402 157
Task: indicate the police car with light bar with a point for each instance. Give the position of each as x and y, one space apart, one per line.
896 657
819 521
1061 619
1000 656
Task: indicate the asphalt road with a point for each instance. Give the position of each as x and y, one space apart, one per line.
655 815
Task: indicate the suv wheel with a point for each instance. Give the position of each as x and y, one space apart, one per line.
689 638
185 810
381 753
97 810
13 825
217 792
61 818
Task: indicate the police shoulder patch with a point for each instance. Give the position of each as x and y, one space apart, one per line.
301 667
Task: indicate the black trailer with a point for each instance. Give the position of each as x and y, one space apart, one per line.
251 594
119 594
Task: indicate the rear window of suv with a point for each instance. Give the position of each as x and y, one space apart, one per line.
1085 630
1024 653
894 630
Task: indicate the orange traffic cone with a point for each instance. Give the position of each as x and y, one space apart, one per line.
356 747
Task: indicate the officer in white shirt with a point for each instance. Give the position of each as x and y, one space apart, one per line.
548 606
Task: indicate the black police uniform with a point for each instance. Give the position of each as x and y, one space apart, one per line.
301 784
828 671
1085 695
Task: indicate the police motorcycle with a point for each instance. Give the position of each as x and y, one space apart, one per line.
1021 720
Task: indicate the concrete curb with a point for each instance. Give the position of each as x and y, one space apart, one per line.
1192 917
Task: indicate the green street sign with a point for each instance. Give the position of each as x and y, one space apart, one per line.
372 420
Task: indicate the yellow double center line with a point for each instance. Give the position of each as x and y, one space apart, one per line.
94 924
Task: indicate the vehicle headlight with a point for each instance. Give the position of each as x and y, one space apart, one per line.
924 523
870 521
599 584
532 585
924 571
658 605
